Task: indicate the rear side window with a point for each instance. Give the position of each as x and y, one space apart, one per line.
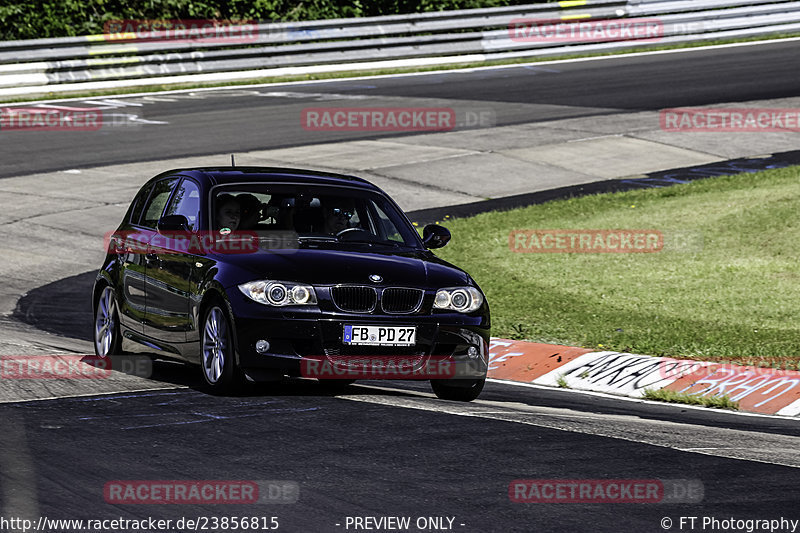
159 198
138 204
186 202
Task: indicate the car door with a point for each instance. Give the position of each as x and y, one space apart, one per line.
130 243
169 268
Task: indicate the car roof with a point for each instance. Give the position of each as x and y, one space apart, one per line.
224 175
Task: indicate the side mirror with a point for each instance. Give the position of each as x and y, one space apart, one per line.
435 236
173 223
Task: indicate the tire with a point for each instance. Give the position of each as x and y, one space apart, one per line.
107 338
457 390
218 358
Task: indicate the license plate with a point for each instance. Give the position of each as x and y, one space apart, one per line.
380 335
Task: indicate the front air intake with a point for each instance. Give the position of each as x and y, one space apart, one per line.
354 299
399 300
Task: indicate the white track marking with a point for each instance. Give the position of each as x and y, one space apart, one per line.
754 446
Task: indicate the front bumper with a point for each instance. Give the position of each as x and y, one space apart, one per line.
297 337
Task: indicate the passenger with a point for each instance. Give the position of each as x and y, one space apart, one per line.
228 212
250 211
337 213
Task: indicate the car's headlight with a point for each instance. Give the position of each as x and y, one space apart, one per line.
279 293
461 299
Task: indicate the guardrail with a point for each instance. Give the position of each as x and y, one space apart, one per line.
448 37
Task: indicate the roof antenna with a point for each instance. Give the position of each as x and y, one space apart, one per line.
233 163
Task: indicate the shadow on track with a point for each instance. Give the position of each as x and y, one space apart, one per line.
63 307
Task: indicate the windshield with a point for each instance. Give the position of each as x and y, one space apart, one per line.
315 214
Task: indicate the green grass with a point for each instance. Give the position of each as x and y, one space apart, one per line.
671 396
379 72
735 298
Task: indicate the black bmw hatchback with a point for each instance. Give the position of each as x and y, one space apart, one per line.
257 273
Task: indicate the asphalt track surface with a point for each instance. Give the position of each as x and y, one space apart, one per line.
515 95
352 457
392 449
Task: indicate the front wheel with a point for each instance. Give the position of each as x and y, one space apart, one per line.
457 390
220 371
107 339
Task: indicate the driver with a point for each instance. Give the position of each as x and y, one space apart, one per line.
337 213
250 209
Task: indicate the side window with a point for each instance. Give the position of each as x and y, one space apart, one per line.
158 200
186 202
138 205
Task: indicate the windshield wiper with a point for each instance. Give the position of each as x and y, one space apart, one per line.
367 241
317 239
333 239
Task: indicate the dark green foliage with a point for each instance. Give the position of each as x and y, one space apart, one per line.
35 19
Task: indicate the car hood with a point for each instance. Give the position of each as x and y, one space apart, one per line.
416 268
